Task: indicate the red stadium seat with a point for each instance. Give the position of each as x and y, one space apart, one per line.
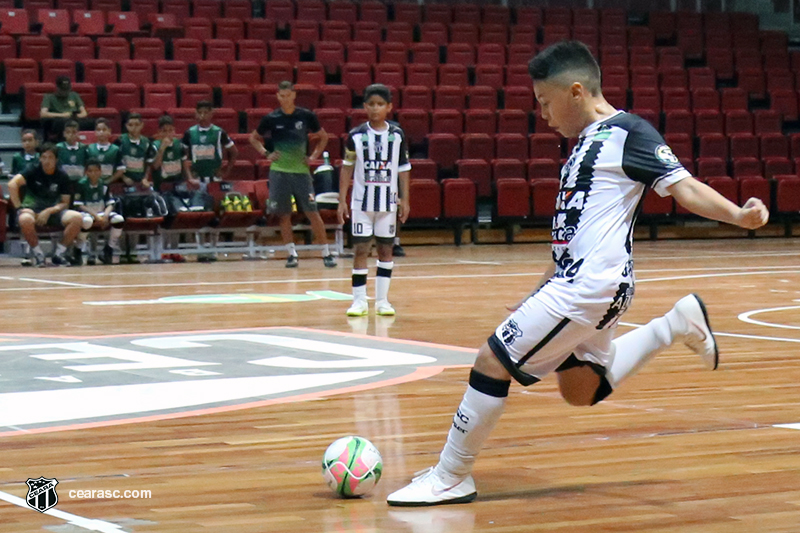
744 145
123 96
415 123
99 72
482 97
34 94
426 200
416 97
35 47
356 76
173 72
444 149
459 200
513 198
113 48
245 72
543 196
260 29
479 172
192 93
212 73
361 52
367 31
511 146
336 96
512 121
135 71
446 97
480 121
477 146
714 145
236 96
53 68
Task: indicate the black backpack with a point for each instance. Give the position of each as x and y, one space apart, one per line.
145 204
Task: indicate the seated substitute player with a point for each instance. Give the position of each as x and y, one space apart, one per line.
30 153
93 199
104 152
377 160
567 324
46 202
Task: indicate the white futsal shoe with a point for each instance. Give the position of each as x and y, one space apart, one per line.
359 308
698 336
384 308
432 487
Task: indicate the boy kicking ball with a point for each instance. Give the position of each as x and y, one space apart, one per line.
376 159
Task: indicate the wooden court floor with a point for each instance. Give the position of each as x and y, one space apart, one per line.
676 449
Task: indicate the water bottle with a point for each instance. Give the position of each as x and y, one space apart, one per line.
323 175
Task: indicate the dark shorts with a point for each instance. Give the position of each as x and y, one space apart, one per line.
284 185
37 207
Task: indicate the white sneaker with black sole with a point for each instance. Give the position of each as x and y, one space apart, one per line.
698 335
432 487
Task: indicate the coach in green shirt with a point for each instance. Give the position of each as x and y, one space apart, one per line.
60 106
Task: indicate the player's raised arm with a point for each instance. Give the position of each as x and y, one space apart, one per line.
702 200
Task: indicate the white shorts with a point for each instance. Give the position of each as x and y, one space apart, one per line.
366 224
536 340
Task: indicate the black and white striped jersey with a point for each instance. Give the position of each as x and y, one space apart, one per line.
603 185
378 157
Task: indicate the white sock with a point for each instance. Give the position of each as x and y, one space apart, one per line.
326 251
473 422
60 248
37 250
113 237
360 284
383 280
83 241
397 241
291 249
633 350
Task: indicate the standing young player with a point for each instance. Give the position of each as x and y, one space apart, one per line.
207 146
72 152
567 324
376 158
133 150
105 153
285 131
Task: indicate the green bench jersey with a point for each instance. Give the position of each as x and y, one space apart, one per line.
95 197
204 148
134 155
171 163
23 161
109 158
72 159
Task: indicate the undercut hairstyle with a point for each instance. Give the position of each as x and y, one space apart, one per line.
378 89
92 163
567 57
165 120
102 120
204 105
49 147
71 123
286 85
135 116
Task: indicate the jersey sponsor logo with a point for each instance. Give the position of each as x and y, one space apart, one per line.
204 151
566 266
170 168
510 332
665 154
133 163
52 382
377 164
298 125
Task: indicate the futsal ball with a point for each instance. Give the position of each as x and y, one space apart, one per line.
352 466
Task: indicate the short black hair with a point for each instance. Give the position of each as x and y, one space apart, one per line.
204 104
567 56
29 131
284 85
378 89
134 116
71 123
91 163
165 120
49 147
102 120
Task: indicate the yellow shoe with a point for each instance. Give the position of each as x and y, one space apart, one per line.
359 308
